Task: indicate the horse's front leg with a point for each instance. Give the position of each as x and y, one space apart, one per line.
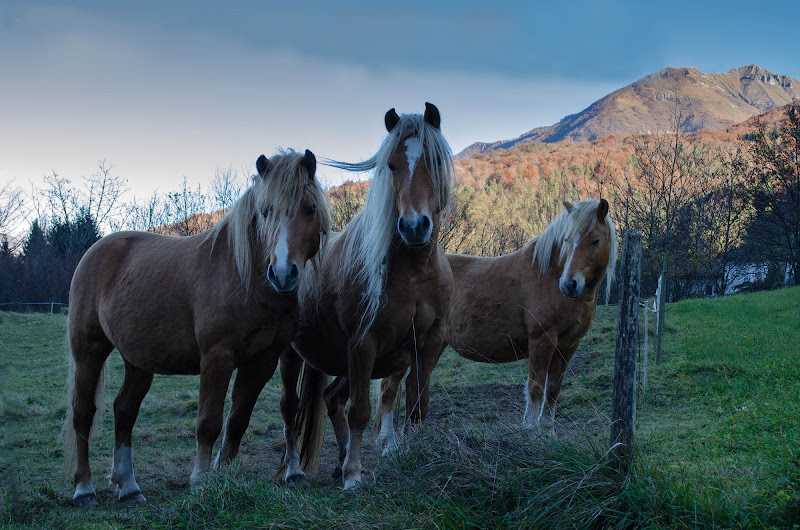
555 376
540 353
216 368
250 380
291 365
361 360
419 376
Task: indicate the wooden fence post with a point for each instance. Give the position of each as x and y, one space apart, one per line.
623 414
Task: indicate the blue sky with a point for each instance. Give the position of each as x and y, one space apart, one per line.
165 90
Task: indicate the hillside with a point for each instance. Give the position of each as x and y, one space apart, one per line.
538 160
707 101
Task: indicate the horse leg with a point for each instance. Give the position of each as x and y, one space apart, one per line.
335 397
250 380
215 375
390 386
555 376
540 353
361 360
418 388
126 409
290 367
89 357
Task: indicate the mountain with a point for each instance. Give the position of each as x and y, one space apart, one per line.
705 101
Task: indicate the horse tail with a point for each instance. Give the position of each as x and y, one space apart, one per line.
68 429
311 415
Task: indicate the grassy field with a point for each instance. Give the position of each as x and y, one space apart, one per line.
718 440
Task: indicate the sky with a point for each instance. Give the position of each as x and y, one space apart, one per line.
172 90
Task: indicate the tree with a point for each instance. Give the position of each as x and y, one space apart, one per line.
11 206
774 234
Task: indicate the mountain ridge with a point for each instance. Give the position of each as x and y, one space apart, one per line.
703 101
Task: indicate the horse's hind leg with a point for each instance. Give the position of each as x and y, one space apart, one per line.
335 397
390 386
250 380
216 368
89 355
126 409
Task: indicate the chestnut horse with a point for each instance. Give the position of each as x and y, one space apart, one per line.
537 302
385 294
206 304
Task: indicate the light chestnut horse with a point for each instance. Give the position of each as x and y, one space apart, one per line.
535 303
385 293
208 304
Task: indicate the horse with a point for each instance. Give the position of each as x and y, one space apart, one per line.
385 296
537 302
208 304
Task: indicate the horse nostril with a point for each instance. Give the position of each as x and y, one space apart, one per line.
574 284
271 274
401 225
426 223
294 272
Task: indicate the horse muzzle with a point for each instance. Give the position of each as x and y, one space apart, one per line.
284 279
571 287
416 231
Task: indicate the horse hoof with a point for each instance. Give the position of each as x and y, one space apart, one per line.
87 499
337 473
353 484
297 480
134 496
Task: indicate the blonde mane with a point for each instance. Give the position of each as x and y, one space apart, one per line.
368 236
569 227
257 216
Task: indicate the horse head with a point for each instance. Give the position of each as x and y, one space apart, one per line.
300 230
590 253
412 165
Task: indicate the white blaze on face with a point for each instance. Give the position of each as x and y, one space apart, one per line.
413 152
565 274
282 249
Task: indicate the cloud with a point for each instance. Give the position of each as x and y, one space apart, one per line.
162 104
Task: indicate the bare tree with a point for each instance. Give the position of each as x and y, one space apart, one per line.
188 211
102 192
226 187
12 203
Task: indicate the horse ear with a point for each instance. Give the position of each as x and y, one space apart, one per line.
262 166
432 116
391 119
602 209
310 163
568 205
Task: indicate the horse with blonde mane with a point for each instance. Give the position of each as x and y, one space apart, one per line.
209 304
385 294
535 303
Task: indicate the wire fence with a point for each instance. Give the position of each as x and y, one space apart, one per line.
33 307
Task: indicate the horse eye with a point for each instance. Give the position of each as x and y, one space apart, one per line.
391 166
311 210
596 242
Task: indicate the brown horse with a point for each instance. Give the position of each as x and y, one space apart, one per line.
537 302
206 304
385 291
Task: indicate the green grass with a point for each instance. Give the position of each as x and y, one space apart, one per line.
718 440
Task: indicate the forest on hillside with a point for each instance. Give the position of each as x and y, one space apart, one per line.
719 210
